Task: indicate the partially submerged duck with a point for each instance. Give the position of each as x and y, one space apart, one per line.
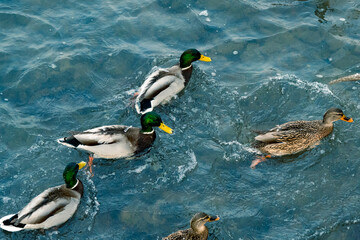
162 85
354 77
52 207
198 230
294 137
117 141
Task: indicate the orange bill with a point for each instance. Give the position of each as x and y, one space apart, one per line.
213 219
346 119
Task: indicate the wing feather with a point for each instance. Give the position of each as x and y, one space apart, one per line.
46 204
287 132
102 135
159 88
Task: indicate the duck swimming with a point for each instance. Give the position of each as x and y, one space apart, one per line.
198 230
296 136
162 85
52 207
117 141
354 77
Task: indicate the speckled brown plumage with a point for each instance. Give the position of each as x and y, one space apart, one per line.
296 136
188 234
198 230
354 77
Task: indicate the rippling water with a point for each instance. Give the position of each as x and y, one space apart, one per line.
74 65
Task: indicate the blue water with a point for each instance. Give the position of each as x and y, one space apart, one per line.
73 65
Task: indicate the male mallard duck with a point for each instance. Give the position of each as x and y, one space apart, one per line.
164 84
117 141
198 230
52 207
296 136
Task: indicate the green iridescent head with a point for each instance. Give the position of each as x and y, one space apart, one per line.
70 173
150 120
190 56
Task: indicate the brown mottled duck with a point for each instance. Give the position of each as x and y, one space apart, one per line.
354 77
296 136
198 230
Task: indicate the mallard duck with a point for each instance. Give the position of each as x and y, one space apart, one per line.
52 207
162 85
294 137
117 141
198 230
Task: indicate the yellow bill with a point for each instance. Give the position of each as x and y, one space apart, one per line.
165 128
346 119
81 165
205 58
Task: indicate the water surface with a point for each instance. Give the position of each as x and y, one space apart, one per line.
74 65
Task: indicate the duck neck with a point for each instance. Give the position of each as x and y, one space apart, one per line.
186 68
147 129
185 63
71 182
187 74
198 227
327 122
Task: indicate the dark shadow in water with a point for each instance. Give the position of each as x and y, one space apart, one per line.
321 8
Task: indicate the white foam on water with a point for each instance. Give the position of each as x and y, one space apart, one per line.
52 233
329 229
138 170
92 204
303 84
204 13
246 148
106 176
183 169
6 200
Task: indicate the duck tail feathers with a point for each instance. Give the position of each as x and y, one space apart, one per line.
137 107
71 142
6 223
144 106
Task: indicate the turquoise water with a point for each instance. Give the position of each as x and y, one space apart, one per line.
74 65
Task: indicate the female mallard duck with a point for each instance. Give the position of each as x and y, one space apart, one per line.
296 136
52 207
117 141
354 77
162 85
198 230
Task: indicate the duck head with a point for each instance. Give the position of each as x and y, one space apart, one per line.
192 55
335 114
150 120
198 221
70 173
